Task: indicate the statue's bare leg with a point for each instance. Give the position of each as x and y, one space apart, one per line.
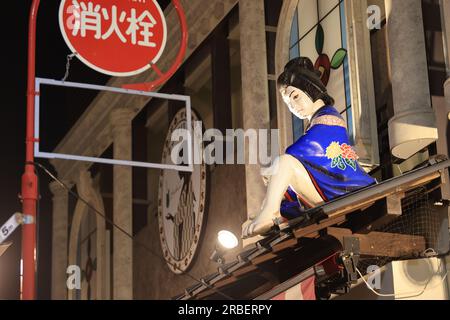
289 172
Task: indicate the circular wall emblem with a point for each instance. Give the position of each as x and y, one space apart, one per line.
114 37
181 204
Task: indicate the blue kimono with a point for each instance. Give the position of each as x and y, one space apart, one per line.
326 154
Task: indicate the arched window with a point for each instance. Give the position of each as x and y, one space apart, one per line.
319 32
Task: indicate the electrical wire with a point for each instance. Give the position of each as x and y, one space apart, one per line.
69 58
74 194
408 294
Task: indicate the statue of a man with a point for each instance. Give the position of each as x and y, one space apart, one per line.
320 166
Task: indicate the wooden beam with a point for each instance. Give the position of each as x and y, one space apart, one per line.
314 228
394 204
419 182
393 211
367 206
383 244
400 189
284 245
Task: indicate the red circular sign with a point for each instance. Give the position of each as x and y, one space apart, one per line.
115 37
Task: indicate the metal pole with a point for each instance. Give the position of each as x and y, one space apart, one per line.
29 193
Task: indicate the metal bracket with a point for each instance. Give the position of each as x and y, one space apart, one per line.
437 158
350 257
25 219
320 272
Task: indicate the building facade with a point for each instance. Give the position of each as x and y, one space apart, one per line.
384 63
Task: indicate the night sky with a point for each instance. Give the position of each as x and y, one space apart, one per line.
60 111
57 118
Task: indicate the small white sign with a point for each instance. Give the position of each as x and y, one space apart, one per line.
9 227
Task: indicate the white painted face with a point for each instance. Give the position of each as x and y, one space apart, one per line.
298 102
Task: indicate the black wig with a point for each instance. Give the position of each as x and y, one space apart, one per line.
300 73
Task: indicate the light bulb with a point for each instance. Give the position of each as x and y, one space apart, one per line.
227 239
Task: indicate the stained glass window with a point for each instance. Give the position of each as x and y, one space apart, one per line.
319 32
